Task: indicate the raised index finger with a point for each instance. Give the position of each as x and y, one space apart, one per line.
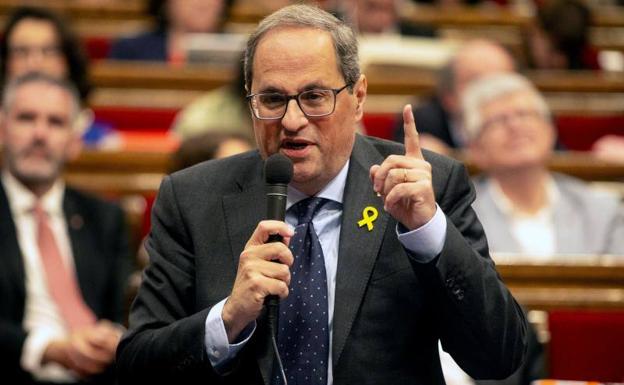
412 142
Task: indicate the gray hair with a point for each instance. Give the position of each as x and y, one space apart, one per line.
306 16
490 88
8 94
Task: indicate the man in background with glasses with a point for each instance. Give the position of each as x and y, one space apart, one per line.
525 208
397 258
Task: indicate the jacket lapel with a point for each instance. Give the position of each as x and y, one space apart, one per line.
11 256
242 212
85 259
359 247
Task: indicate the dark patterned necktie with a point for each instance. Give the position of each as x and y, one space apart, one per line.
303 335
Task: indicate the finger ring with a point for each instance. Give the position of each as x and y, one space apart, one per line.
404 175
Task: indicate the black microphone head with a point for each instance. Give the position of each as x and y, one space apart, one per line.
278 169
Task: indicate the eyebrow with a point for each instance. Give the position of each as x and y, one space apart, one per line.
307 87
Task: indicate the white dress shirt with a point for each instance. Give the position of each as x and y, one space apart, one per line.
425 243
535 233
42 319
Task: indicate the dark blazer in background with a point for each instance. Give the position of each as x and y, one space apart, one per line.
99 242
148 46
390 310
431 118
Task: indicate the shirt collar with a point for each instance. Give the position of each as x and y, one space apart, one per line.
507 207
22 200
333 191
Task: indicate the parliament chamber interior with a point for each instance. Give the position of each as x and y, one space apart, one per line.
576 304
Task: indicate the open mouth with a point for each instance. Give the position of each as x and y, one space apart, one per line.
294 145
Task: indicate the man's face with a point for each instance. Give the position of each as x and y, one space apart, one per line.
474 61
37 135
376 16
514 135
292 60
195 16
34 47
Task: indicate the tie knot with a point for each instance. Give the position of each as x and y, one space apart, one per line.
306 209
39 211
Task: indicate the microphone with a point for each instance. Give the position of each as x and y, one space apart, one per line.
278 171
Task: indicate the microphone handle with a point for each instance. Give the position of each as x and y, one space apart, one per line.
272 301
276 209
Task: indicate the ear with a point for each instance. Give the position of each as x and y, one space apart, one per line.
81 124
450 102
74 147
359 90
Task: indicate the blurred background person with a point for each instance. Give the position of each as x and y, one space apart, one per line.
609 148
65 258
439 119
193 150
206 146
378 17
174 19
559 37
223 109
37 39
525 208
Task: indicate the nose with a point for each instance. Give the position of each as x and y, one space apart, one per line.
40 129
34 61
294 118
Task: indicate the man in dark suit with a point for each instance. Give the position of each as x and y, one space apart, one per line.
401 271
63 264
439 118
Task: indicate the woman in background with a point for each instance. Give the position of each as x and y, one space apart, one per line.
174 20
38 40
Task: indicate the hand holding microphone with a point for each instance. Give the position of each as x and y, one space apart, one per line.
258 275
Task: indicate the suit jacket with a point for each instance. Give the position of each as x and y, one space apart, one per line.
390 310
585 221
99 244
431 118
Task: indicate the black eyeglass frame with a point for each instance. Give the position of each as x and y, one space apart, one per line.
336 91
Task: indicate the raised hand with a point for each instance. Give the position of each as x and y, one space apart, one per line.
404 181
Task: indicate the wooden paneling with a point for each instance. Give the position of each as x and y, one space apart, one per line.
123 173
598 284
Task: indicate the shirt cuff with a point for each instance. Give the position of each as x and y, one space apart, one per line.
32 354
427 241
220 351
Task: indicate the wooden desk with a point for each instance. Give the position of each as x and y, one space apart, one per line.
467 16
578 164
598 285
80 9
126 173
401 80
249 11
382 78
155 84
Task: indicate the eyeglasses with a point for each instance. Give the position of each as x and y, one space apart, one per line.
23 51
503 120
313 103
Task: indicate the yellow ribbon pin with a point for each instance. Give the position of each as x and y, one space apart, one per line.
368 217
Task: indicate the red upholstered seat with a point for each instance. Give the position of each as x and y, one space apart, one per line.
136 118
580 132
97 47
587 345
